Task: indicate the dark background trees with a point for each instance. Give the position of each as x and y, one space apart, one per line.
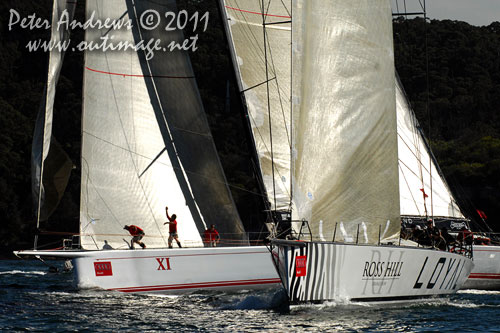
457 103
450 71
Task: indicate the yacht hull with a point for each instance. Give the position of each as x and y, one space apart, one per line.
320 271
486 272
170 271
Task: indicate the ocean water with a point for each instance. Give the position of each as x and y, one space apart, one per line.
32 299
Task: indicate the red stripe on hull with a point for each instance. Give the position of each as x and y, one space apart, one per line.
198 285
494 276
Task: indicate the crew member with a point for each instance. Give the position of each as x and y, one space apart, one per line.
172 229
211 236
465 236
450 240
137 234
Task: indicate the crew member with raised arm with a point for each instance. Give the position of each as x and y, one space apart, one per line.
172 229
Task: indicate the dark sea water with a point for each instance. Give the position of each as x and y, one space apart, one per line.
32 299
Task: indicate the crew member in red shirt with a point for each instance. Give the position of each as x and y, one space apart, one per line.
137 234
465 236
172 229
211 236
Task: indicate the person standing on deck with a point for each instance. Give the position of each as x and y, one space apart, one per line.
172 229
211 236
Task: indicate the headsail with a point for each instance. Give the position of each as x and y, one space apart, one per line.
423 190
345 168
146 141
49 179
263 66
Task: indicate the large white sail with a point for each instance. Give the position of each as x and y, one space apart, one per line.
146 142
50 182
345 140
423 190
263 66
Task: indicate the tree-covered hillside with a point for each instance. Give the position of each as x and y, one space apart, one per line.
457 103
451 73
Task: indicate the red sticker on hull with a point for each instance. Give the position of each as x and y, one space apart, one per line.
103 268
300 266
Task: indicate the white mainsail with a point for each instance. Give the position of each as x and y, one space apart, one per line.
423 190
46 196
145 140
256 50
345 140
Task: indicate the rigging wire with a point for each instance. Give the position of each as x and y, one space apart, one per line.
427 98
291 108
268 99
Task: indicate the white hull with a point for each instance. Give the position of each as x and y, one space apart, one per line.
486 271
171 271
316 271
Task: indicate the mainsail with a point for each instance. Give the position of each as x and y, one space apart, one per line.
345 140
50 166
146 143
259 34
423 190
343 124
